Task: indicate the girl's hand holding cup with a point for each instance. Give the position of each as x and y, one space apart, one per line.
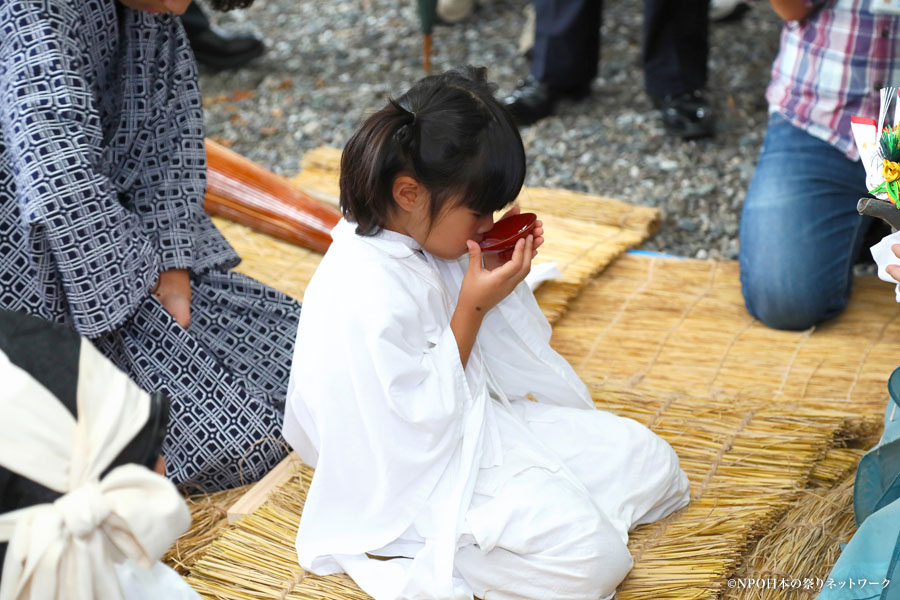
483 288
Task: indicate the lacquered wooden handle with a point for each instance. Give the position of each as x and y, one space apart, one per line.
245 192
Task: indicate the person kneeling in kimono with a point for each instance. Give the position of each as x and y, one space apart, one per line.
82 515
102 227
416 362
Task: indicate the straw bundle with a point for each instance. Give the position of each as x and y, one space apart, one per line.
579 249
746 462
208 515
320 171
802 547
680 325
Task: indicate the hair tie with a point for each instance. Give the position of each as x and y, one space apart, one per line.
404 133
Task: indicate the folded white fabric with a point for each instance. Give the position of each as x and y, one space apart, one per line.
69 549
540 273
884 256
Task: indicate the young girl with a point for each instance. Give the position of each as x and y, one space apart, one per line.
437 476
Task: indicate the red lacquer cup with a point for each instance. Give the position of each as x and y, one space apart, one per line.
502 238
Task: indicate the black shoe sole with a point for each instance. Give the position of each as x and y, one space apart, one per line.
220 63
695 132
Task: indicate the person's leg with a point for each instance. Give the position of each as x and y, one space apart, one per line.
675 54
564 58
226 375
800 232
249 328
632 474
539 536
675 46
566 42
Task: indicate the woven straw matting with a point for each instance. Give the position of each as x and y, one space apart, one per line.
320 170
758 418
208 515
585 233
680 325
747 463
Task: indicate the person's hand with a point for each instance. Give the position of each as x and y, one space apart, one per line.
894 270
160 465
494 259
173 290
482 287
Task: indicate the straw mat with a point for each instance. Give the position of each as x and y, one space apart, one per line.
208 515
320 171
758 418
581 243
746 462
663 324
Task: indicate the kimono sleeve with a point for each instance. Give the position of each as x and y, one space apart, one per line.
515 340
78 234
382 404
170 180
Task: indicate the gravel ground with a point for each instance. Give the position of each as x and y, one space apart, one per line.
329 63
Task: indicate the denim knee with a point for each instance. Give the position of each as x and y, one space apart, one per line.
787 307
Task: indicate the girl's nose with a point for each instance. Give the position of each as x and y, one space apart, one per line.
486 223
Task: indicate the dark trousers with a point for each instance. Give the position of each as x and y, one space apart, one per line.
566 48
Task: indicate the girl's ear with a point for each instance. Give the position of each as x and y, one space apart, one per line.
408 193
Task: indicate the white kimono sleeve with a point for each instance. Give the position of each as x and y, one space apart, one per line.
380 400
515 341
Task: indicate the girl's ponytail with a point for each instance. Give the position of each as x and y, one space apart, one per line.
373 154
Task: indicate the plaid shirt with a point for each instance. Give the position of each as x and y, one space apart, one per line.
831 66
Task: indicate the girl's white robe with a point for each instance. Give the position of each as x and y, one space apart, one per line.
397 430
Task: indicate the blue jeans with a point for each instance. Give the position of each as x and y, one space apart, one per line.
800 232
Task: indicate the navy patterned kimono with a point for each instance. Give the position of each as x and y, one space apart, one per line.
102 176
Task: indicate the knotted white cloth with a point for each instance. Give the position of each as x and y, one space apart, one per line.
68 549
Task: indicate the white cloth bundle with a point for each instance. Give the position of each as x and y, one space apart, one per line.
80 546
884 256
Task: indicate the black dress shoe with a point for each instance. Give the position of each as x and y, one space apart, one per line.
218 49
687 116
532 100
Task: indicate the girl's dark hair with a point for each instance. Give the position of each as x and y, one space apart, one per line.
450 134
